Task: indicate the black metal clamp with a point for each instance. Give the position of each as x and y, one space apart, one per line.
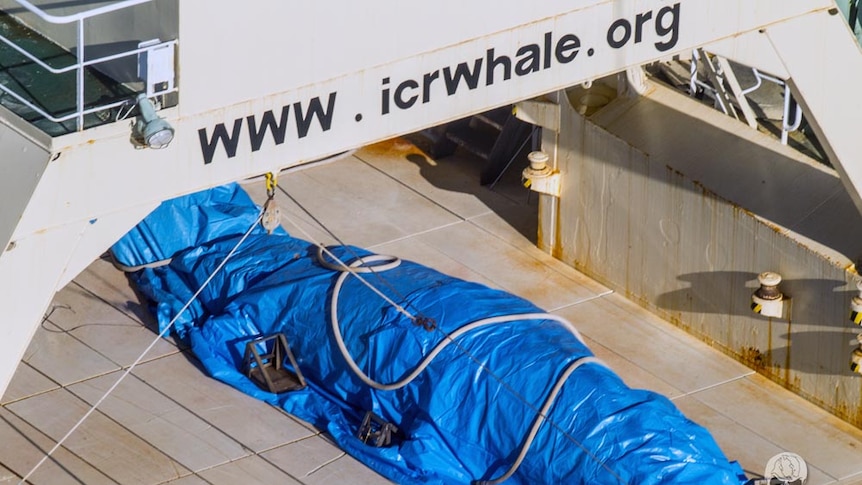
267 370
376 430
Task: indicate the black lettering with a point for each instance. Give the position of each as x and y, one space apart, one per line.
547 50
399 91
640 20
612 33
672 29
268 123
384 99
530 62
567 48
462 71
315 110
491 64
230 142
426 85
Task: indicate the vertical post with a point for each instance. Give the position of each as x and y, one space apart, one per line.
79 72
717 80
553 202
791 108
692 85
741 100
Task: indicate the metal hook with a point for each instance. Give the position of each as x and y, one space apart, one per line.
271 184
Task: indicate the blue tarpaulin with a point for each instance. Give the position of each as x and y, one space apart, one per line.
464 417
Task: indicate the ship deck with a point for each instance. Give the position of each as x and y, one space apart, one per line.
170 423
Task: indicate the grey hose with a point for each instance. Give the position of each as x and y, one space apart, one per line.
389 262
357 266
540 418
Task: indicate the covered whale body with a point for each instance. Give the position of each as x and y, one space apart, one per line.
482 385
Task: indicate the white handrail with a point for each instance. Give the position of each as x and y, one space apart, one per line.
72 67
67 19
80 63
68 117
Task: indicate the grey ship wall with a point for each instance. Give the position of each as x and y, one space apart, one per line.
634 222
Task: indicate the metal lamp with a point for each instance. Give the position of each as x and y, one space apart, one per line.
150 130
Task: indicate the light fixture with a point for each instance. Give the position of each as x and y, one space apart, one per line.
149 130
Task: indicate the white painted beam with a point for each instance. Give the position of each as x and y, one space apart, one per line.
39 265
824 63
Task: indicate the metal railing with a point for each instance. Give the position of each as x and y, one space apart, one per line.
791 119
80 64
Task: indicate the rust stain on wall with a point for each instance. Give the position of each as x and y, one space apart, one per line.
753 358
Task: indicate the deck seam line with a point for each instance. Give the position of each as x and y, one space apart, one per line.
322 465
249 451
419 233
852 476
49 439
120 366
582 300
476 216
713 386
130 316
275 465
550 267
408 187
469 220
60 445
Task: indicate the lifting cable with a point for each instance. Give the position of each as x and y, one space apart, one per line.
391 262
342 266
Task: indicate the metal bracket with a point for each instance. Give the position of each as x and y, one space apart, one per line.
545 182
377 430
156 67
271 218
267 370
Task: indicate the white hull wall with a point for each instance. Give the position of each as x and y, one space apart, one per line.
23 163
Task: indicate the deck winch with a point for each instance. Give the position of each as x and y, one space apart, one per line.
768 299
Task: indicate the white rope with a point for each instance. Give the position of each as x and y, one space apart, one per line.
137 361
342 266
